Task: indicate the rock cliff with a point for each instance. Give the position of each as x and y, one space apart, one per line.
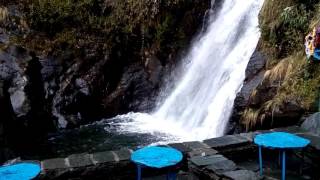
65 63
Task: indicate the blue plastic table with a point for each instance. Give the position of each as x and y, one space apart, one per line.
20 171
282 141
156 157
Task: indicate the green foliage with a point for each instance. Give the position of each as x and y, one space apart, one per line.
285 36
126 17
133 27
287 31
284 25
52 16
309 4
300 84
162 28
303 84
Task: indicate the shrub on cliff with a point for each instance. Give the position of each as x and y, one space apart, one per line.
135 26
53 16
289 81
284 24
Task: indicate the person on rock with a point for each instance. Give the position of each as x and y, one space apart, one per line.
309 43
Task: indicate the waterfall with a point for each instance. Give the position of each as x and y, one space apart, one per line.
201 102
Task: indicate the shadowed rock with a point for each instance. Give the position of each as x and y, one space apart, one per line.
312 124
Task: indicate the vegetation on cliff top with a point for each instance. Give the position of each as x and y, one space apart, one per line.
136 26
284 25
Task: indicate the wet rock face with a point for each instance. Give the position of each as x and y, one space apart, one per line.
54 83
70 95
134 86
24 113
13 73
256 91
44 90
76 93
254 77
255 65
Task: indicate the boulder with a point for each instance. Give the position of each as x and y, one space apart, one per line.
312 124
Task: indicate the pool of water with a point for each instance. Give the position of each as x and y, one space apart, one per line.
105 135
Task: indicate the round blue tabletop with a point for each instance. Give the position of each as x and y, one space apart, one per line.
280 140
157 157
19 171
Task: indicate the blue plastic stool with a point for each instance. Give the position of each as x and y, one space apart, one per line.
20 171
282 141
156 157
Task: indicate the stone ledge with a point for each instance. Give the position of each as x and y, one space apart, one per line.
123 155
207 160
221 166
181 147
103 157
79 160
75 162
194 145
58 163
202 152
226 142
250 136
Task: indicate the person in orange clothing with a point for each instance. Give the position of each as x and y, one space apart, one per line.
309 44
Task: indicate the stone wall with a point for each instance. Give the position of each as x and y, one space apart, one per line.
101 165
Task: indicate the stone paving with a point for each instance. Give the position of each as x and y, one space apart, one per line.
202 160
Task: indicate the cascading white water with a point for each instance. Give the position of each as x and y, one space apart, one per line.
201 103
